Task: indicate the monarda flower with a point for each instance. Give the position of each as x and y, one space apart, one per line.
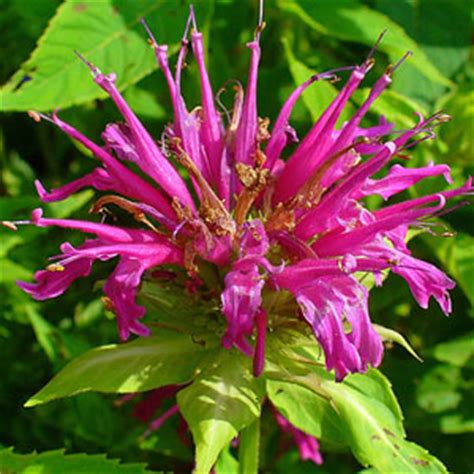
284 240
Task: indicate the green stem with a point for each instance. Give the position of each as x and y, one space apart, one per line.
249 448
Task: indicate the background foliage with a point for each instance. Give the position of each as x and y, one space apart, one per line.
42 73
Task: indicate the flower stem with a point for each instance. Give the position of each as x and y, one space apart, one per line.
249 448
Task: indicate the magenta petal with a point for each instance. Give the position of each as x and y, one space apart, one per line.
211 127
305 159
121 287
150 158
98 179
308 445
118 137
282 133
127 182
50 284
363 336
400 178
259 355
241 299
246 135
425 281
323 311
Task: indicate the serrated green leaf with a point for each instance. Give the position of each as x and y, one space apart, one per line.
366 414
224 399
249 448
144 364
102 32
349 20
310 413
55 462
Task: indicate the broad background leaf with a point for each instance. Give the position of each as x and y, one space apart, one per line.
104 33
351 21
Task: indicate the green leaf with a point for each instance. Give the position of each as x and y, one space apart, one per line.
458 352
447 43
361 412
44 332
320 94
226 464
224 399
54 462
458 133
165 301
445 392
144 364
348 20
12 271
308 412
102 32
390 335
73 203
249 448
144 103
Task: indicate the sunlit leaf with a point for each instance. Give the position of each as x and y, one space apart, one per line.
104 33
146 363
220 402
360 412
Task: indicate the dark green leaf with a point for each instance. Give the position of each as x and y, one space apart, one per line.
349 20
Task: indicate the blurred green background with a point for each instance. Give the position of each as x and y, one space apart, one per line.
39 71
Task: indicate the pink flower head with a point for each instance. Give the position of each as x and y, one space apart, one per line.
297 230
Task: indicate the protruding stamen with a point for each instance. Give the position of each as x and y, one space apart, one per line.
189 21
193 17
12 225
34 115
331 74
153 41
37 116
261 22
375 46
392 69
451 209
221 104
429 136
94 70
